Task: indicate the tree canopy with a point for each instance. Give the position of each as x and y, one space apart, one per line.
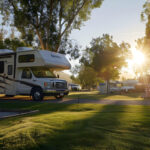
102 60
49 21
106 56
87 77
143 44
11 42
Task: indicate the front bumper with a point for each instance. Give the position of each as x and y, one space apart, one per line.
55 92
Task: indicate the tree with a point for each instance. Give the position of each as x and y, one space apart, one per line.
106 57
143 44
11 43
87 77
145 16
125 53
49 21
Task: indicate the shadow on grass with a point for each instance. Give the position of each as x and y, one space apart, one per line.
100 128
14 142
93 132
132 94
136 132
43 108
103 130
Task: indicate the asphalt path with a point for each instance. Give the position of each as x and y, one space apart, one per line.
76 101
109 102
6 114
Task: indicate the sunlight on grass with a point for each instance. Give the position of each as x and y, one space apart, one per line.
122 97
84 93
77 126
95 95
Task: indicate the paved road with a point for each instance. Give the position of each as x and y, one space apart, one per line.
75 101
109 102
70 101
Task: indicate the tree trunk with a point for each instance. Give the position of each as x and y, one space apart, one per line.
58 44
57 47
47 46
40 39
108 87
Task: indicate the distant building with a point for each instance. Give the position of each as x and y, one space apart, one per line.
113 86
130 82
117 86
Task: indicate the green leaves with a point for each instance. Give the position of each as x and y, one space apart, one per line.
49 21
11 44
106 57
101 61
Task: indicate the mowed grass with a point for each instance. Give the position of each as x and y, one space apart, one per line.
75 127
95 95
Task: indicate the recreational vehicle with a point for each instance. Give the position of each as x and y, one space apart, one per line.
31 72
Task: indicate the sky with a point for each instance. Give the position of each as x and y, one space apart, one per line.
119 18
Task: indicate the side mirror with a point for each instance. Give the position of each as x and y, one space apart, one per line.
57 75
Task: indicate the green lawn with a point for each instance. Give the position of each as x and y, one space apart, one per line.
75 127
95 95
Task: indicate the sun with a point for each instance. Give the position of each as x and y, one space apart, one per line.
135 63
138 57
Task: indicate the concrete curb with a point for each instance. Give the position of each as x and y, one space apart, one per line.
20 114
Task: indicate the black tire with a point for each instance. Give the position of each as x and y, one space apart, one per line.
59 97
9 95
37 94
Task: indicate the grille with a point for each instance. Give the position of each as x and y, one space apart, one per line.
61 85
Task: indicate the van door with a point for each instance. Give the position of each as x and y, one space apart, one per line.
25 82
2 80
9 74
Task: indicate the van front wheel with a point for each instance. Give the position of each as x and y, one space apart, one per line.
37 94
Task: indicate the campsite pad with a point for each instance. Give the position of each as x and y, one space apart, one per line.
7 114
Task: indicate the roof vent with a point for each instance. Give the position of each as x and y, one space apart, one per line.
6 51
20 49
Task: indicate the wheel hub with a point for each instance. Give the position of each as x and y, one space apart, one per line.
37 95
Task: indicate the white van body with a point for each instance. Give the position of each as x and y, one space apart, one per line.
30 72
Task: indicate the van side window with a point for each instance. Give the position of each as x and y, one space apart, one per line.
26 58
1 66
10 69
26 74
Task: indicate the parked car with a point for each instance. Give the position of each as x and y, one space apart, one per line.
74 87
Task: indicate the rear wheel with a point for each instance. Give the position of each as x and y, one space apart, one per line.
37 94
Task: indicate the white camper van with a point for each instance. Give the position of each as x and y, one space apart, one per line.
31 72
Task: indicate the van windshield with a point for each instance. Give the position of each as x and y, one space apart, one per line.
43 73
